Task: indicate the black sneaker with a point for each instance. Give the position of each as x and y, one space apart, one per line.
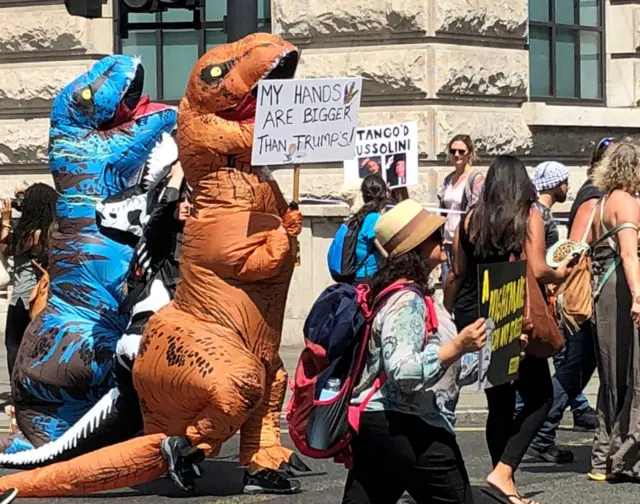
553 454
269 481
9 496
586 421
182 459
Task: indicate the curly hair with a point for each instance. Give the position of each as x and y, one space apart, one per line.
410 266
619 169
38 213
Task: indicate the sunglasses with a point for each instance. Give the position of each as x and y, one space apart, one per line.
606 142
455 152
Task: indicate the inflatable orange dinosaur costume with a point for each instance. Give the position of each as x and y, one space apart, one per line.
208 363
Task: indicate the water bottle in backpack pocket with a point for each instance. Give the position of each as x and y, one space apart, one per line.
328 422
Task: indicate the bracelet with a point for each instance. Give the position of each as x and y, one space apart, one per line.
8 226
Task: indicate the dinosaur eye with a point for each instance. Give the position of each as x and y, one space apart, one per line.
213 73
86 94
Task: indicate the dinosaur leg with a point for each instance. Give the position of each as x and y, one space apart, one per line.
201 385
123 465
260 443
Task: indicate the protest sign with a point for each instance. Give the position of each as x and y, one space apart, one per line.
306 121
501 302
390 150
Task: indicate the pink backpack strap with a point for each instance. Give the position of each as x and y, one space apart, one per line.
356 411
431 322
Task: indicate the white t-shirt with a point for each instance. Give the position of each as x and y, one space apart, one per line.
453 201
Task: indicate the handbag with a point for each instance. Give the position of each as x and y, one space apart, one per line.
576 295
539 324
40 293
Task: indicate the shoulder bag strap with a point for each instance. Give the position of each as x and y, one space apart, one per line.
616 262
590 222
38 266
614 231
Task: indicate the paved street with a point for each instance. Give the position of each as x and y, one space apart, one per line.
223 481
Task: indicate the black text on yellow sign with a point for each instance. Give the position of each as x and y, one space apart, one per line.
503 302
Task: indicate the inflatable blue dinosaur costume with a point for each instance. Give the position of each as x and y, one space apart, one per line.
102 131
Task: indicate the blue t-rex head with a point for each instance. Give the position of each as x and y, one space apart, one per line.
103 130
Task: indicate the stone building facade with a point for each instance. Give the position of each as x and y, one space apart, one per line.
454 66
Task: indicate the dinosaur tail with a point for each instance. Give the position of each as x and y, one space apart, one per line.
115 418
123 465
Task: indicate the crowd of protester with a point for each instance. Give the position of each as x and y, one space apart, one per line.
492 218
406 440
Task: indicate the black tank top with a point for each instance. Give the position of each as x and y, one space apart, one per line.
466 303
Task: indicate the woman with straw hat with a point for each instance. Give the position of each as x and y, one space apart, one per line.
405 440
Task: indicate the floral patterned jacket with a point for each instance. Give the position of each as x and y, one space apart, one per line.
417 383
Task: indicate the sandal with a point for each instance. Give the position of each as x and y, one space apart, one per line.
500 496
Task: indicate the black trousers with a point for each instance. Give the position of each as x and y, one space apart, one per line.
17 321
509 435
396 452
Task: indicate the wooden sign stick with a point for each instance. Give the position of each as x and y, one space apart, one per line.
296 200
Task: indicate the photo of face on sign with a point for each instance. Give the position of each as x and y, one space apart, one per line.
396 167
390 151
369 166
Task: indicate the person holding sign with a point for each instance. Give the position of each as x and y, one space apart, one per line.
502 226
406 441
208 364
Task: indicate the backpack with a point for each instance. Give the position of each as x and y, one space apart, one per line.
337 332
342 253
575 297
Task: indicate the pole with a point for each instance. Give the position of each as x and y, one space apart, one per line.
242 19
296 201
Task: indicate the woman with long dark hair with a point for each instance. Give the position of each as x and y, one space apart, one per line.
502 225
28 242
406 441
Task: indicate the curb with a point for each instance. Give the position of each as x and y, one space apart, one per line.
471 417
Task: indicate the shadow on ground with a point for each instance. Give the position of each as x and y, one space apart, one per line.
581 463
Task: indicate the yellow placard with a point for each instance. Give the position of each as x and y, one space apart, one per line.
514 364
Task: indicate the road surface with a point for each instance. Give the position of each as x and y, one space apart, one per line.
222 483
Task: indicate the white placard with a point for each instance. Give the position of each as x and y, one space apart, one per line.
306 121
390 150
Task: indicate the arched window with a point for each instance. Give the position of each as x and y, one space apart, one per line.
168 54
566 56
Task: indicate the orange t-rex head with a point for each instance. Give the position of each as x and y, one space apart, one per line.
217 113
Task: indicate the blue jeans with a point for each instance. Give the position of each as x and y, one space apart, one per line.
574 365
446 266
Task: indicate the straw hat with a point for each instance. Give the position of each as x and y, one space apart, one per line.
404 227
